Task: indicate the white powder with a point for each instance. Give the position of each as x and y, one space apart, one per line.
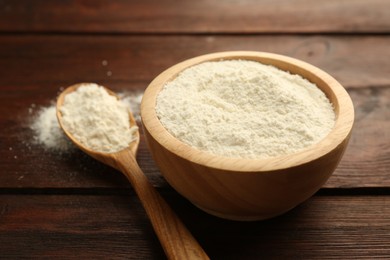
246 109
132 100
97 119
47 132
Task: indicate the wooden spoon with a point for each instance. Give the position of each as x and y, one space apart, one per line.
176 240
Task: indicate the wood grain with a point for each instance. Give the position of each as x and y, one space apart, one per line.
115 227
167 16
72 226
41 62
368 153
35 67
70 206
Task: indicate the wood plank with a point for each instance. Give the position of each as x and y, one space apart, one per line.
76 226
167 16
133 61
33 69
116 227
367 159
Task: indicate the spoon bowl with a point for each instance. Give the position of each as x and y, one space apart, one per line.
176 240
107 158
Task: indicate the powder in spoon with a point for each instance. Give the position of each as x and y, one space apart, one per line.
242 108
97 119
47 132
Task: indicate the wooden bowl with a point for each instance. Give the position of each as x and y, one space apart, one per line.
248 189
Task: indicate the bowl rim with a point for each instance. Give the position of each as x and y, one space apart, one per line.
342 104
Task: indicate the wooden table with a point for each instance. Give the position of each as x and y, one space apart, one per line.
69 206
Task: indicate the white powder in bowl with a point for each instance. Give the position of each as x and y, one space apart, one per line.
241 108
97 119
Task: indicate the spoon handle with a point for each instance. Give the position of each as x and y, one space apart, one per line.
175 238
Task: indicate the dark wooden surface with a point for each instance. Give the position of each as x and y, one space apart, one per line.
202 16
69 206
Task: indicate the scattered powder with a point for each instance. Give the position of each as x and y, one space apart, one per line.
97 119
244 109
47 132
132 100
31 109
